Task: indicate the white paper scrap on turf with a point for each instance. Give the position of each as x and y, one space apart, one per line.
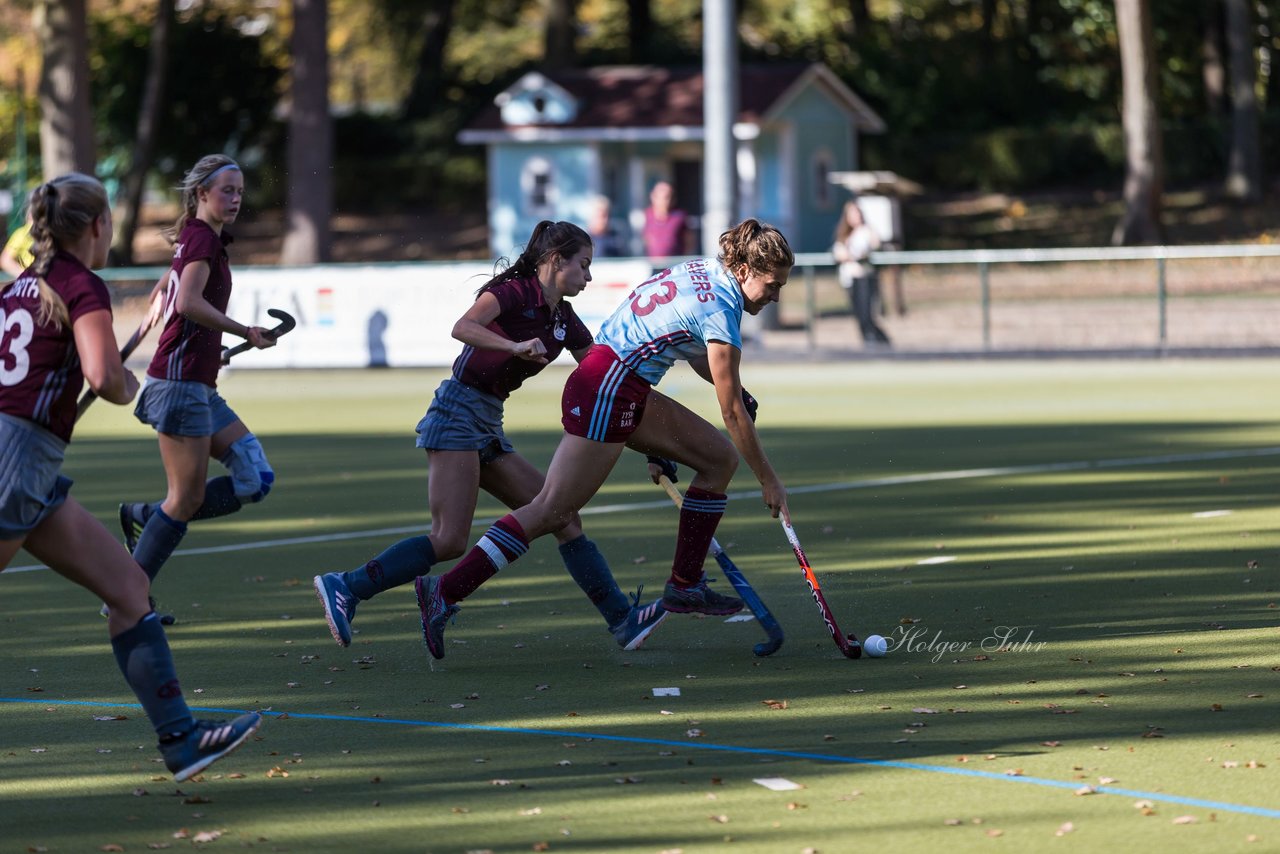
1209 514
666 692
777 784
931 560
741 618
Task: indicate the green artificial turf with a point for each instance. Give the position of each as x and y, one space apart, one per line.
1078 561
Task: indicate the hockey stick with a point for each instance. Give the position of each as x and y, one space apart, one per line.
849 644
125 352
286 323
739 582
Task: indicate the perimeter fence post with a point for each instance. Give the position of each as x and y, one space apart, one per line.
984 278
1162 302
810 308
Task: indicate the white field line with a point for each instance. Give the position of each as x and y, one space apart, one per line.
872 483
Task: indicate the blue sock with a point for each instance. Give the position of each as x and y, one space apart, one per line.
144 658
591 572
398 564
219 499
158 540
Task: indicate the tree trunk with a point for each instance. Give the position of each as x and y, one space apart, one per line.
1212 71
309 201
66 121
129 204
639 30
561 35
860 15
1144 153
428 79
1244 162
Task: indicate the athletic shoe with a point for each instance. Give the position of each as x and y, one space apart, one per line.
131 524
339 605
700 599
639 623
165 619
187 754
435 613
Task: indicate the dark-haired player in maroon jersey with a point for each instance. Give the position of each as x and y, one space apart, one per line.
519 323
180 397
55 333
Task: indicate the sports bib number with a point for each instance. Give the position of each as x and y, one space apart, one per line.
16 329
645 298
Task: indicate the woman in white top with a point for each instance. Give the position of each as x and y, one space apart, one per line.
855 241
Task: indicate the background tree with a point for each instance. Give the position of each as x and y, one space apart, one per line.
309 202
561 33
436 24
1244 163
150 111
1144 153
66 122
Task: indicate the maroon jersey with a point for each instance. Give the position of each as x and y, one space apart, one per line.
187 350
524 315
40 376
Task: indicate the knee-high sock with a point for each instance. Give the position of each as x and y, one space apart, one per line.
397 564
144 658
159 538
219 500
500 545
698 520
591 572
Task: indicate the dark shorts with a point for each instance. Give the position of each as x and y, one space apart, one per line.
603 400
31 485
182 408
462 418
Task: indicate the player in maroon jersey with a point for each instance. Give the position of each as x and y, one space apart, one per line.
519 323
180 397
55 333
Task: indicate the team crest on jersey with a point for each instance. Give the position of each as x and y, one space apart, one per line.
559 332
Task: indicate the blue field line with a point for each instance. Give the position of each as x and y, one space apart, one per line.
1161 797
870 483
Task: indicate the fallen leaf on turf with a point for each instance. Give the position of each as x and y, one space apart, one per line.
719 819
532 811
499 782
921 710
1066 828
112 847
277 771
795 805
110 718
542 846
623 781
993 833
775 704
693 733
1216 707
1013 772
952 822
1254 696
459 810
1086 790
1050 744
457 705
1185 819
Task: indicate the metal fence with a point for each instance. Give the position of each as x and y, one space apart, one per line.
1159 300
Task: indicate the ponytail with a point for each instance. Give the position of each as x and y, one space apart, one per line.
198 177
61 211
758 245
548 238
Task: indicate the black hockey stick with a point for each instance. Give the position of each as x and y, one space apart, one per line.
284 326
740 584
849 644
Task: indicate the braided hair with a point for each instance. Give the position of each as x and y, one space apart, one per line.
197 178
61 211
548 238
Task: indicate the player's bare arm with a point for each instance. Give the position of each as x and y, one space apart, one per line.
723 360
191 304
99 359
473 329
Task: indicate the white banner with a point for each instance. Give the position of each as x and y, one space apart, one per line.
392 315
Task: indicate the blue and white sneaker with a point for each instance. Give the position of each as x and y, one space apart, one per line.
435 613
189 753
339 605
639 623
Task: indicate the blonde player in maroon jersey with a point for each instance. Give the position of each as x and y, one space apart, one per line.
520 322
56 333
180 397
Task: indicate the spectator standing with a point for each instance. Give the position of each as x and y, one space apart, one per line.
666 227
855 241
604 236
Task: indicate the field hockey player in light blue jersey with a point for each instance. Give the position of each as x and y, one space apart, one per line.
693 313
180 397
520 322
56 320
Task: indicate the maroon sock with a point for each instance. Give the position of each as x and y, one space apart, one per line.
500 545
698 520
